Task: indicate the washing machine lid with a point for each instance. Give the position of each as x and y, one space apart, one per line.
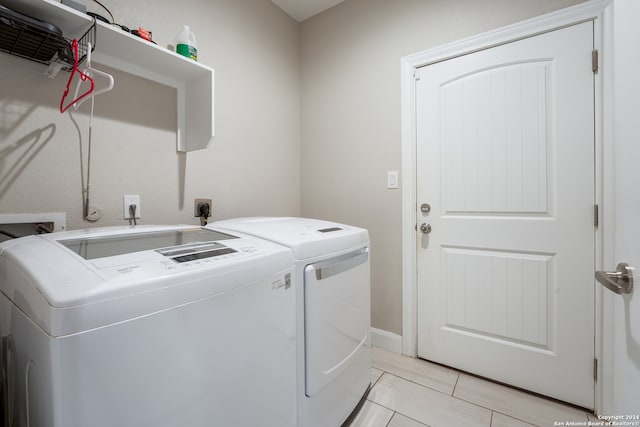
308 238
186 240
68 282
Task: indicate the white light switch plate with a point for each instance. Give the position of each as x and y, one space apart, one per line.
392 179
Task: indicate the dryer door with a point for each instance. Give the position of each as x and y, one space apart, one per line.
337 317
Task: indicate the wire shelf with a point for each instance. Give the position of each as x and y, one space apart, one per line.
40 41
83 42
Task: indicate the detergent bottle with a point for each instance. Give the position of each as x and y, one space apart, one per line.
186 43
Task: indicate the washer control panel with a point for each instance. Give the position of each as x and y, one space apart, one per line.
188 253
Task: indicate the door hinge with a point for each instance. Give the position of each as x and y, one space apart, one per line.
595 370
416 74
594 60
596 215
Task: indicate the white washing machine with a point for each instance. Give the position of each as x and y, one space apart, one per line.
333 300
147 326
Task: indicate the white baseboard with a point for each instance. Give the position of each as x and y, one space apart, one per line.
386 340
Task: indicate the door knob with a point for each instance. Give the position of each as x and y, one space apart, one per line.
619 281
425 228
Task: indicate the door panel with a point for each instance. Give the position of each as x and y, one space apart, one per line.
497 294
505 157
483 174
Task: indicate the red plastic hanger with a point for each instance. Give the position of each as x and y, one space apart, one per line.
83 77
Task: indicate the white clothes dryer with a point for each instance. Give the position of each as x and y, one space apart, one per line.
147 326
333 300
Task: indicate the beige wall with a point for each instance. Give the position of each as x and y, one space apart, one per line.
251 168
350 58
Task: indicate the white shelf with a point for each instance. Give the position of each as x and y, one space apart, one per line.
193 81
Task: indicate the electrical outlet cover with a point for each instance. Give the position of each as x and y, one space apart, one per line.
129 200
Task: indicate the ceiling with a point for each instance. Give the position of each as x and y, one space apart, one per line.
303 9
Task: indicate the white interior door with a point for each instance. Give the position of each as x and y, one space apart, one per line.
505 159
621 335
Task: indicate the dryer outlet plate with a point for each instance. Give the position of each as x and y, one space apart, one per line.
196 207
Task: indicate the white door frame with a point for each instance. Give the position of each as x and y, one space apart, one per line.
598 10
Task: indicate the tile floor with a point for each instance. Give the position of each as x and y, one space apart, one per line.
411 392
